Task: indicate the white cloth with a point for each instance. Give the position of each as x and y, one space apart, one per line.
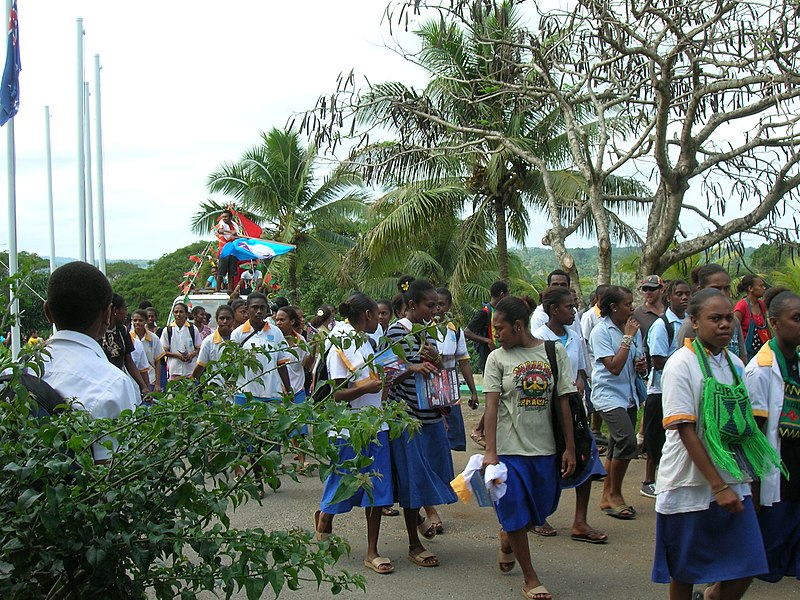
78 368
273 354
764 382
297 354
680 486
495 478
474 464
153 350
139 356
228 232
452 346
589 320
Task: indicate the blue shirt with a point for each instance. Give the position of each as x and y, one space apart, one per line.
611 391
659 344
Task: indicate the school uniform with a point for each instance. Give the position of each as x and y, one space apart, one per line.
571 343
273 354
351 364
525 441
180 339
153 350
452 347
696 540
297 374
779 517
211 351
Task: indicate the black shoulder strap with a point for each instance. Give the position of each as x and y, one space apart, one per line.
550 349
252 333
670 329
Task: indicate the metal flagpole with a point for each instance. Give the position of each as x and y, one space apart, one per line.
13 264
81 150
101 209
50 212
89 204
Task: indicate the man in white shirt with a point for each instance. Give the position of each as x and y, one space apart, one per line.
227 231
181 343
79 304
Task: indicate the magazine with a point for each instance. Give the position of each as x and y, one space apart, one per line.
438 390
479 489
389 364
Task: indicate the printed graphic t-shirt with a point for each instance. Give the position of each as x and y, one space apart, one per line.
524 379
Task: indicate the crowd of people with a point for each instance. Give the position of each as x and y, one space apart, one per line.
709 391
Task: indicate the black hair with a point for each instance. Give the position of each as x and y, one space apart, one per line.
77 294
747 282
117 301
701 297
197 309
255 296
280 301
145 304
386 303
443 291
355 306
321 319
553 296
398 303
224 308
229 211
151 308
669 289
291 311
139 313
776 300
613 295
700 275
601 290
516 309
561 272
498 288
182 304
417 289
236 304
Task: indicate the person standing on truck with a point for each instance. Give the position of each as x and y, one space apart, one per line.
227 231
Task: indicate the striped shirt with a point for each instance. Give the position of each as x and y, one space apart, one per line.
405 390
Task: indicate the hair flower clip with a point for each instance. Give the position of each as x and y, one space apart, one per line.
404 286
320 313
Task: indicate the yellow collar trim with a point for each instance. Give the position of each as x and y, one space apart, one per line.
146 338
765 356
217 336
248 327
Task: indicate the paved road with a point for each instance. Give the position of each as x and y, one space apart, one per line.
468 550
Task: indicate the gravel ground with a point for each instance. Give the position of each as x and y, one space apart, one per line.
468 549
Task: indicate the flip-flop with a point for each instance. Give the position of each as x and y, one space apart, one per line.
426 529
438 526
320 536
376 563
622 512
478 439
506 561
593 537
537 593
420 558
544 530
388 511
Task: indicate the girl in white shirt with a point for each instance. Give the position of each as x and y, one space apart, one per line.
706 526
358 384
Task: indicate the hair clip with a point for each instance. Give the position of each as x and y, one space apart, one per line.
320 313
404 286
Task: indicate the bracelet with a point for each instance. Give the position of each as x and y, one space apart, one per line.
627 339
720 490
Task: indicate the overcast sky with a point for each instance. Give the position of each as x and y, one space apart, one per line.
185 86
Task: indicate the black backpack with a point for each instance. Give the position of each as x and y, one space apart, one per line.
48 401
581 433
321 381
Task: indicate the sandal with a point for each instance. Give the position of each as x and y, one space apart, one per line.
388 511
590 537
377 563
544 530
426 558
623 512
426 528
537 593
506 561
478 438
320 536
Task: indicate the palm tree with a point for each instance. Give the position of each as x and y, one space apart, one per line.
274 184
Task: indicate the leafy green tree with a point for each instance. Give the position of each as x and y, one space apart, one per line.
34 272
275 183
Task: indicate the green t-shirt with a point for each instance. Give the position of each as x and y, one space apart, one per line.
524 380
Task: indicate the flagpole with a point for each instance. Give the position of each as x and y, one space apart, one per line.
89 203
50 211
81 150
101 209
13 264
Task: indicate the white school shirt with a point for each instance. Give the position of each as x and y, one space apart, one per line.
764 382
588 321
297 374
210 351
351 364
273 345
659 345
152 349
680 486
78 368
183 339
573 347
139 357
452 346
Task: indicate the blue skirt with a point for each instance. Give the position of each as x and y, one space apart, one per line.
455 429
299 398
533 492
382 486
422 468
708 545
593 470
780 527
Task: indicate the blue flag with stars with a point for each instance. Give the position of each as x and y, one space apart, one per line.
9 87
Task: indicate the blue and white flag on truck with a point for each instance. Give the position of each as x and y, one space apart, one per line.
9 87
255 249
